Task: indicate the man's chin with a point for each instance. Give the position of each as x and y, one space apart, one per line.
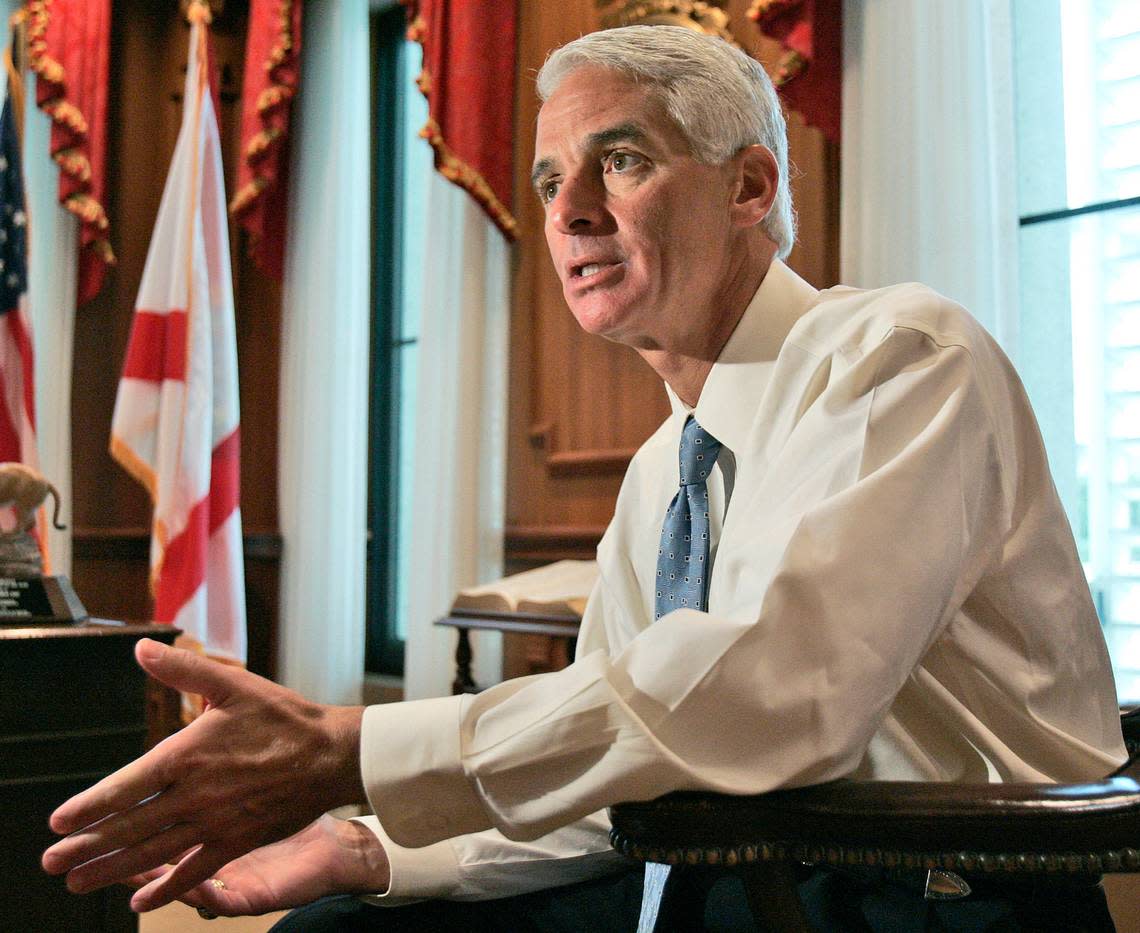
601 316
599 325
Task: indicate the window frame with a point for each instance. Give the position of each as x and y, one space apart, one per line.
384 648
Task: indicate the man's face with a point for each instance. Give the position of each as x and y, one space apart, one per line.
639 231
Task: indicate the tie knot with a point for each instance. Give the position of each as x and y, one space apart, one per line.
699 451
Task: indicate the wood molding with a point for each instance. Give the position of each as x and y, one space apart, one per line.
545 543
590 462
134 543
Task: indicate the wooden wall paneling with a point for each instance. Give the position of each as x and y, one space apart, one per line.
579 405
111 512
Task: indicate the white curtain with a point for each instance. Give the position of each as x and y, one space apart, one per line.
323 449
928 186
53 249
460 442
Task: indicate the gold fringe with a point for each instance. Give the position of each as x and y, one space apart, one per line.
449 165
760 8
790 66
417 28
278 94
248 193
74 163
461 173
284 45
102 249
64 111
87 209
792 62
260 144
71 162
273 96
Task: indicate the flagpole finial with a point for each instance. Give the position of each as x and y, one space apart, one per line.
198 11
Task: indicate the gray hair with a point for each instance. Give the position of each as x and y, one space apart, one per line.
721 98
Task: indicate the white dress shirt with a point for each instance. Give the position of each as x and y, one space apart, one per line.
895 595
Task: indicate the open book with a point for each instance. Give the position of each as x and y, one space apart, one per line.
560 588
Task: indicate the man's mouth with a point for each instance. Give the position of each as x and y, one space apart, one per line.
591 269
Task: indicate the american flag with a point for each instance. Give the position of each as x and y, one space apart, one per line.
175 426
18 411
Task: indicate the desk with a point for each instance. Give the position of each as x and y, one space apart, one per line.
562 627
73 708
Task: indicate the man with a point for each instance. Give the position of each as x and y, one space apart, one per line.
865 570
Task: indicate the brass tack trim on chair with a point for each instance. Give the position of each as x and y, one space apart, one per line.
1127 859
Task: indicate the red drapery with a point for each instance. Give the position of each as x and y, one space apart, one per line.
468 78
810 75
68 47
272 74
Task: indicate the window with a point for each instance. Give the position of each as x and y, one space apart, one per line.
1078 115
401 165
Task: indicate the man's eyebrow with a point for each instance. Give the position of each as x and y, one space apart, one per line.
541 167
623 132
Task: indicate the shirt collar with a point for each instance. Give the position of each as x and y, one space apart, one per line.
737 380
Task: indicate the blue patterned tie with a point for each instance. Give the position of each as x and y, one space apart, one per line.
683 558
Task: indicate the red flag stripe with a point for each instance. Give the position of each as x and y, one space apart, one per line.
185 557
23 343
9 434
157 348
225 479
183 565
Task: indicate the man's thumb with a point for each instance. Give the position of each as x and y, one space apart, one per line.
183 670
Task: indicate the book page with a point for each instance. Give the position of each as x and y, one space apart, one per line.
560 588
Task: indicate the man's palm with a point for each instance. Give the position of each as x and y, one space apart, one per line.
308 865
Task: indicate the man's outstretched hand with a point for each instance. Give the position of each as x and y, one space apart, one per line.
327 857
259 764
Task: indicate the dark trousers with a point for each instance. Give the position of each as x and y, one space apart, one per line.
836 901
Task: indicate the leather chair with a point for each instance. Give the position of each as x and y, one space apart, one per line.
1065 830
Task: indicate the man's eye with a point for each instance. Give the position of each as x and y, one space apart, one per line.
548 191
619 162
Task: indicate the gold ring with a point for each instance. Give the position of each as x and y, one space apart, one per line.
218 883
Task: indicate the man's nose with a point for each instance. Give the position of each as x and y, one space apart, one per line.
579 206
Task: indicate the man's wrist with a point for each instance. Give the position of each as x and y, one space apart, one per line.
342 724
366 866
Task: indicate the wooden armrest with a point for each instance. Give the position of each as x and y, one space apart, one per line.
1092 827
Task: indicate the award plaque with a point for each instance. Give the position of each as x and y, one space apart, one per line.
39 601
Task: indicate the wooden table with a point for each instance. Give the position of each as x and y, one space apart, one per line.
73 708
523 623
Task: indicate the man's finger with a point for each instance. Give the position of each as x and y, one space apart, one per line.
122 864
199 866
187 671
206 895
145 877
130 785
116 831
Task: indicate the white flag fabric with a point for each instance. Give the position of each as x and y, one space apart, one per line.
176 424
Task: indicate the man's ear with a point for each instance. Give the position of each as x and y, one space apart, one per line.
757 177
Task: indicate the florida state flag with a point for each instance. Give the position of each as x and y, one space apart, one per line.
175 427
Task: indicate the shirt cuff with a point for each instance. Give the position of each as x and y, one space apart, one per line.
414 874
413 773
